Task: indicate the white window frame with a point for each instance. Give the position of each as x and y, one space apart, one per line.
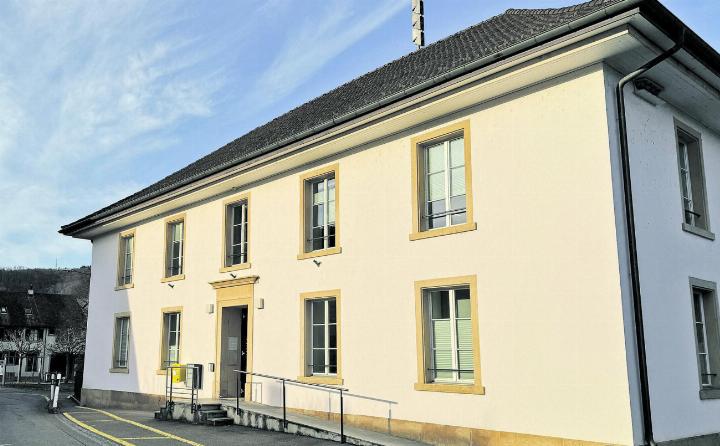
430 361
324 180
447 171
706 332
693 189
230 242
120 362
181 248
326 324
127 246
168 329
686 180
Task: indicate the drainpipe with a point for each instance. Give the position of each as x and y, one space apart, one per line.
632 239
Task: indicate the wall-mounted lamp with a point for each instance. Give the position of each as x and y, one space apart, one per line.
171 285
317 262
233 276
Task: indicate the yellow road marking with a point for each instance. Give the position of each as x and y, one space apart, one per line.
143 438
98 432
99 421
151 429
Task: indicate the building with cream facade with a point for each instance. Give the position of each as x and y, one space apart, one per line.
447 237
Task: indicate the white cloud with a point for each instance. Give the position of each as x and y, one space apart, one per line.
86 89
312 44
89 91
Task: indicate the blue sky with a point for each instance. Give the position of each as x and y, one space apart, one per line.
99 99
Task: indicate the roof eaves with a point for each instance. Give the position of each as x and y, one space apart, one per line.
581 21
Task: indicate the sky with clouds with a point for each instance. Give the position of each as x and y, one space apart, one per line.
101 98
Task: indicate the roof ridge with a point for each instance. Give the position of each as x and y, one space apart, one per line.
562 10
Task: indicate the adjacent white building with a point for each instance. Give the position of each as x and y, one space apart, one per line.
447 237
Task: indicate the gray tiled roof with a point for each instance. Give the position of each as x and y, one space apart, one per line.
436 60
46 310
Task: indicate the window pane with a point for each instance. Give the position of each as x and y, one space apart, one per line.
318 192
318 336
332 336
318 215
331 189
458 219
457 203
464 334
462 303
435 158
237 214
465 362
440 304
332 316
441 334
436 186
436 207
457 181
318 311
457 152
331 212
333 361
697 302
437 222
318 361
443 364
331 236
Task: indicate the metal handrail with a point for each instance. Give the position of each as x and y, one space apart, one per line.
294 381
179 392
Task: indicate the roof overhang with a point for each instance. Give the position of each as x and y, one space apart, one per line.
622 38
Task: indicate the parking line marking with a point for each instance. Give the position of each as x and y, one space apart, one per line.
146 427
96 431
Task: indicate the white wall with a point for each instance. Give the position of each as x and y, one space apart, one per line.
668 256
552 345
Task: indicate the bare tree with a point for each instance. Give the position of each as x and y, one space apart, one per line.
69 341
21 342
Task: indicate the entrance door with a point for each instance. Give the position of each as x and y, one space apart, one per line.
233 350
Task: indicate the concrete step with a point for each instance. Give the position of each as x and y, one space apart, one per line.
210 414
208 406
219 421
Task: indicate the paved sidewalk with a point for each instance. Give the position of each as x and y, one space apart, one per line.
140 428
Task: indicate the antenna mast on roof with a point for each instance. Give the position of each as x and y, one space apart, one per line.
418 24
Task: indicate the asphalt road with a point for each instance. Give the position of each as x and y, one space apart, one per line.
24 421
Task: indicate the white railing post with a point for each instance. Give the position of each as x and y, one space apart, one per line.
57 392
52 386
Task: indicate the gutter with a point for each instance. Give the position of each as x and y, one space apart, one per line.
632 238
343 122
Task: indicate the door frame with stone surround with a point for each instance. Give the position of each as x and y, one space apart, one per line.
234 293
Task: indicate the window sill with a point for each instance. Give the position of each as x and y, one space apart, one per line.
698 231
319 253
124 287
443 231
227 269
451 388
119 370
710 394
318 379
173 278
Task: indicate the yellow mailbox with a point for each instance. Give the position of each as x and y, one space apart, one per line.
178 373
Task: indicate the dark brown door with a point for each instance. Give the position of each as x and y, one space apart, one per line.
233 351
